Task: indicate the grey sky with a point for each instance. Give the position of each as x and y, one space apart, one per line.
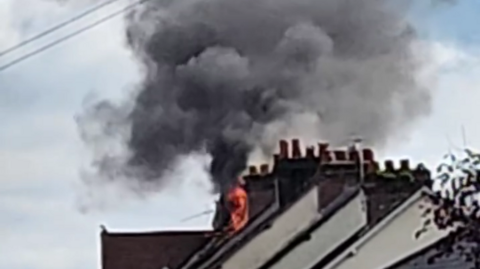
41 224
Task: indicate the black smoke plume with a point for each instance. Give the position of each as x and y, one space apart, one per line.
217 73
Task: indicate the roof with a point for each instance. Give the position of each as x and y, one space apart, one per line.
154 250
384 194
331 189
429 257
328 211
289 179
295 177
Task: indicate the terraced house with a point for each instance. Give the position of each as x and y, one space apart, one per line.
318 208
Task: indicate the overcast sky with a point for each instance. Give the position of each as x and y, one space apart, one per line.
41 197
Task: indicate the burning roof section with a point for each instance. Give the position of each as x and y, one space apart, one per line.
271 191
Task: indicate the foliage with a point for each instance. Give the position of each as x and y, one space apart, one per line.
454 204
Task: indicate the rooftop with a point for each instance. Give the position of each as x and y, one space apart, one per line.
272 192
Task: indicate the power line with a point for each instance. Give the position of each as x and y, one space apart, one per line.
56 27
71 35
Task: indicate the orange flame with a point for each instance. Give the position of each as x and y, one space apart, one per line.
239 208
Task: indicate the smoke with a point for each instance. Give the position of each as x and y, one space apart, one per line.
227 76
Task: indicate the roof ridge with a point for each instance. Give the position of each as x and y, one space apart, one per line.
159 233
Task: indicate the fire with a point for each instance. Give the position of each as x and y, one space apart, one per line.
238 201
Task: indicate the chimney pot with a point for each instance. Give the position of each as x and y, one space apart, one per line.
264 169
284 149
310 152
353 155
368 155
326 156
340 155
389 166
323 152
405 164
253 170
322 147
296 152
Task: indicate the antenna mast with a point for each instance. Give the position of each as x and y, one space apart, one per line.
357 146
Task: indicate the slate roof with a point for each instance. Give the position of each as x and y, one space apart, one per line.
286 183
328 211
331 188
289 185
383 196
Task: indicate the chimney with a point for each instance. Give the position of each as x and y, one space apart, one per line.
340 155
368 155
310 152
405 165
389 167
321 148
264 169
253 170
276 159
323 152
296 152
284 149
